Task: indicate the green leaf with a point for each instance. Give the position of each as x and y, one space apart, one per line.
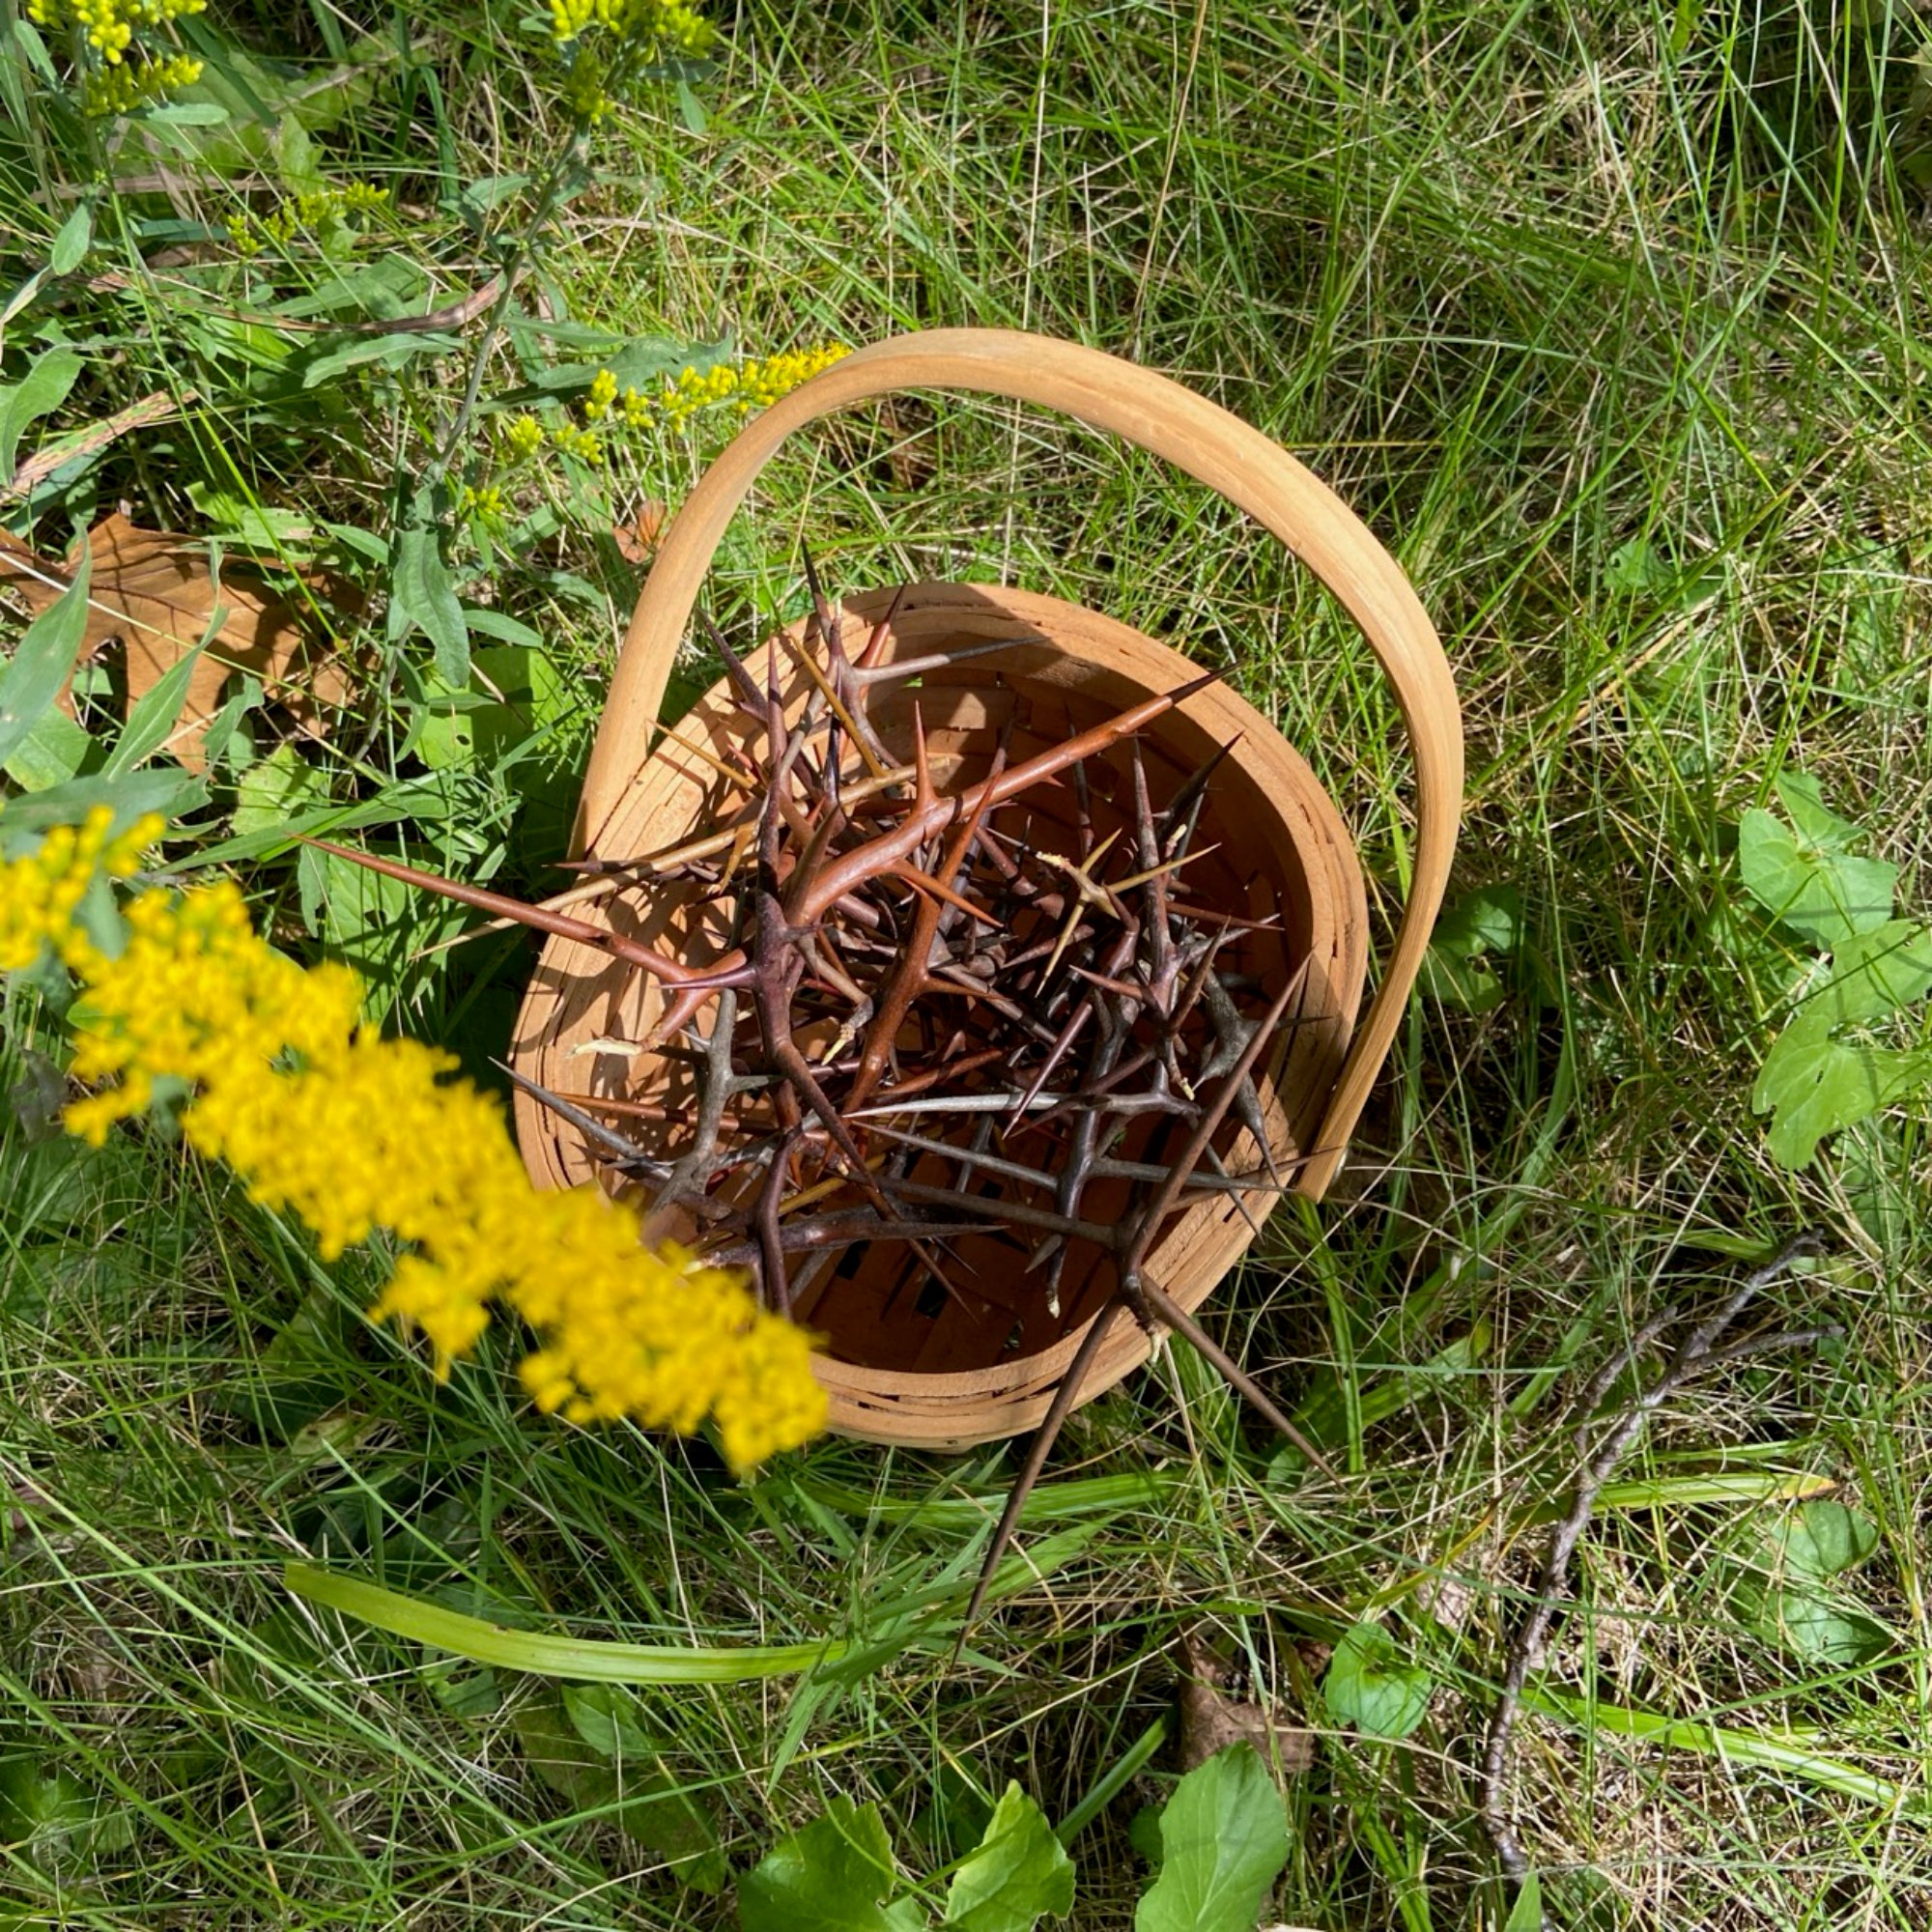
50 754
1812 1624
422 596
1818 825
49 1813
169 793
71 245
606 1717
1370 1687
273 789
286 532
41 391
154 718
1820 1539
1812 1085
828 1878
580 1658
1876 974
185 114
654 1809
1526 1913
642 363
1017 1874
1817 889
1482 923
1224 1838
392 352
1785 1595
42 660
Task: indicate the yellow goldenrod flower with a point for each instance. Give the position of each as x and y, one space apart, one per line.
121 89
581 443
603 393
753 384
108 25
487 501
328 1121
521 438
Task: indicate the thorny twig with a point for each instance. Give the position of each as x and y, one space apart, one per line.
1701 1349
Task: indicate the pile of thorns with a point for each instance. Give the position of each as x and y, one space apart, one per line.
926 1020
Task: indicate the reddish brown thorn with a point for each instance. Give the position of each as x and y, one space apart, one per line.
672 971
881 631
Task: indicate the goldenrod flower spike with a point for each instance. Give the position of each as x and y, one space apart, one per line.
347 1132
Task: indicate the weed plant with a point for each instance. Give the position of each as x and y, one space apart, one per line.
1611 322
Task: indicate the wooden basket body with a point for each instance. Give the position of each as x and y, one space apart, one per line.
946 1373
898 1369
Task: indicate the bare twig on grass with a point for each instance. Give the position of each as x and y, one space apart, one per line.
1701 1349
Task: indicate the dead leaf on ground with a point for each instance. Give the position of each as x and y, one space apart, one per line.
152 590
1210 1720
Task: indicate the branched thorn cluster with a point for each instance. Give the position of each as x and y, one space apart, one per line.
328 1120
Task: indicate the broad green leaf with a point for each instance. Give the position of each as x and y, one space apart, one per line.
828 1878
606 1717
71 245
41 391
185 114
42 660
1812 1624
169 793
1017 1874
1786 1598
1818 825
1876 974
642 363
1812 1085
647 1804
287 532
1224 1838
273 789
50 754
1820 1539
1480 926
1368 1685
1826 894
422 596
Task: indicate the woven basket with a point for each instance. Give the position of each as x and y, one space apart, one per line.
937 1371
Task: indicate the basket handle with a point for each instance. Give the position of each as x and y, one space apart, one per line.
1195 435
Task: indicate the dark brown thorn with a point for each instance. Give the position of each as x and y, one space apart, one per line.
628 1154
743 683
1064 1396
1165 1308
1213 1112
775 1284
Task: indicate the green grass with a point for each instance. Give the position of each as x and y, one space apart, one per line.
1611 324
